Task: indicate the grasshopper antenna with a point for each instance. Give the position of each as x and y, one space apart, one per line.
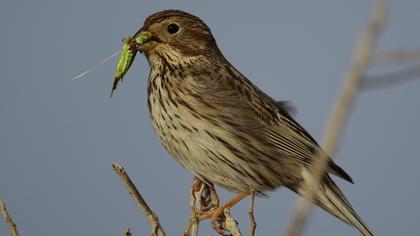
96 66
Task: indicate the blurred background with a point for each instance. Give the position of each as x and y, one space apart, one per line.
58 137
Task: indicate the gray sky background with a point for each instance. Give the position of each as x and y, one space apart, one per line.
58 137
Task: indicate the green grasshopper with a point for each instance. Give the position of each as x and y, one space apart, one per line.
127 55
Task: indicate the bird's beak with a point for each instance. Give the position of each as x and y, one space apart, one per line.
145 40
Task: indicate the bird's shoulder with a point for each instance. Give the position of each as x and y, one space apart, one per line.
225 87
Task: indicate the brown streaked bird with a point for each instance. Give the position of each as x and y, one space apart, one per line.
222 128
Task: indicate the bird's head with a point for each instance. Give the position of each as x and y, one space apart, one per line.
175 32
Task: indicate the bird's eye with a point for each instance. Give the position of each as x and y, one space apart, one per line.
173 28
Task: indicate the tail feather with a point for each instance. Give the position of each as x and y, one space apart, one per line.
332 200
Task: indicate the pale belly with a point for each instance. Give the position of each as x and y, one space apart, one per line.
191 142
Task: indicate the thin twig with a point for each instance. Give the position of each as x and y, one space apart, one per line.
135 194
252 224
395 57
194 226
392 78
9 220
195 200
230 224
340 112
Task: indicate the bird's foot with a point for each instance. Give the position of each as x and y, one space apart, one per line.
203 198
205 195
204 203
217 214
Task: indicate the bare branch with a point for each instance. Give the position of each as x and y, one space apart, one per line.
252 224
230 224
9 220
192 227
340 112
135 194
197 189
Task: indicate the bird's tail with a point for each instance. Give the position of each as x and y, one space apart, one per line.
331 199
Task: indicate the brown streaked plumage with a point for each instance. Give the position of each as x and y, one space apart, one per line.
220 126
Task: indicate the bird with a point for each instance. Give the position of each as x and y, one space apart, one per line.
220 126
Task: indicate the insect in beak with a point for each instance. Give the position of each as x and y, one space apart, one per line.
141 42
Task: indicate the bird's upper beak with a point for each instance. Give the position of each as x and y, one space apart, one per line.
146 41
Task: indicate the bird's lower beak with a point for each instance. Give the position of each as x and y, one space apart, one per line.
145 41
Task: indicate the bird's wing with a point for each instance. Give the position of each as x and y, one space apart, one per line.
292 137
250 110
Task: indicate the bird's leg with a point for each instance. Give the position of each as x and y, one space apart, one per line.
203 198
210 200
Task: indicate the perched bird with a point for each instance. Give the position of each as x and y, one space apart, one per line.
222 128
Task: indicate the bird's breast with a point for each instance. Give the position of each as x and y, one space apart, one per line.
174 123
192 139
